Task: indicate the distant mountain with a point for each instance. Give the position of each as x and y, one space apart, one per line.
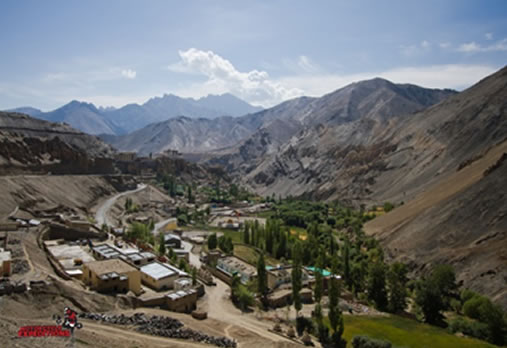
87 118
133 116
83 116
202 135
183 134
27 110
227 104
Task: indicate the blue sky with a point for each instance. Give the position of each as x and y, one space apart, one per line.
118 52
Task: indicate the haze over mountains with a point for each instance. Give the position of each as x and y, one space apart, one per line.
90 119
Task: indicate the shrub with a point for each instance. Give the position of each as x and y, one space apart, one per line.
302 324
472 307
366 342
467 295
469 328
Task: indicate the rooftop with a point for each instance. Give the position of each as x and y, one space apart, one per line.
170 236
108 266
158 270
239 265
324 272
66 254
5 256
180 294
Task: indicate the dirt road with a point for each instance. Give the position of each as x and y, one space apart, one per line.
101 214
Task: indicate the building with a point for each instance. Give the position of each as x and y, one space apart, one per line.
182 254
79 225
70 257
126 156
282 298
139 259
5 260
160 276
105 252
114 275
232 265
211 257
278 276
183 284
182 301
131 255
172 240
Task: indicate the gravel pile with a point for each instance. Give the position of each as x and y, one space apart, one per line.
160 326
20 266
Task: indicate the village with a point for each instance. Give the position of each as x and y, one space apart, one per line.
172 268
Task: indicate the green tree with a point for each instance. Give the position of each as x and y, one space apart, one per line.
233 190
194 276
317 290
297 277
190 197
262 280
433 293
388 206
482 309
376 285
161 244
212 241
335 315
346 264
397 284
182 264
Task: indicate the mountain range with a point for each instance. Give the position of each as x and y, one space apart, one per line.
92 120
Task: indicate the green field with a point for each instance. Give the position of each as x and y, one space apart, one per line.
250 255
403 332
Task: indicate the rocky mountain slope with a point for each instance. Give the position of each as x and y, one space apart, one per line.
31 145
89 119
293 153
201 135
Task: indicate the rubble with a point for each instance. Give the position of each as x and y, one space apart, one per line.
20 266
160 326
7 287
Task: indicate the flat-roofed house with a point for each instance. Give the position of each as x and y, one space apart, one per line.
232 265
278 276
160 276
172 240
113 275
182 301
5 262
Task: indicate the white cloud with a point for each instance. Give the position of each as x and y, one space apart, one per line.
456 76
306 64
488 36
469 47
129 73
444 45
473 47
253 86
425 44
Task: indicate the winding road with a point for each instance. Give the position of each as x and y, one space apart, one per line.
101 214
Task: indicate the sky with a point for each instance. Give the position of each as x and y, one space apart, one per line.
113 53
